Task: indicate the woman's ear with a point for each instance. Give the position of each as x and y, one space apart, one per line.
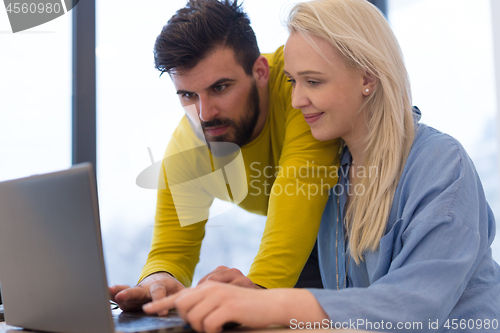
261 71
369 83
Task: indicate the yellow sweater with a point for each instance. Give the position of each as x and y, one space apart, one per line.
285 154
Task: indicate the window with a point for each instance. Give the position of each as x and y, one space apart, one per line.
448 49
35 103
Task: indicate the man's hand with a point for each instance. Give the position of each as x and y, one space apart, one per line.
154 287
229 275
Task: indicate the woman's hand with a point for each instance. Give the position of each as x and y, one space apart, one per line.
212 304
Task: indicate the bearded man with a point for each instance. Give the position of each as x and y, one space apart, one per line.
233 94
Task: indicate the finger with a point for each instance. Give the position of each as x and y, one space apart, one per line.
218 269
188 299
214 322
245 282
203 279
157 291
113 290
226 276
160 305
197 313
135 293
132 298
173 286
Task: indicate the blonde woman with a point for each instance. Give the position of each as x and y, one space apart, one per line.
405 237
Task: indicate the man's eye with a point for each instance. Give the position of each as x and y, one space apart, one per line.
187 95
220 88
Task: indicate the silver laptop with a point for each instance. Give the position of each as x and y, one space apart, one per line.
51 261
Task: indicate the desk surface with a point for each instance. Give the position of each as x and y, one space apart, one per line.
4 328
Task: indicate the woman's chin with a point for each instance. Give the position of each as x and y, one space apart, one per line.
322 135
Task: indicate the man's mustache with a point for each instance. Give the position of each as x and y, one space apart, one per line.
217 122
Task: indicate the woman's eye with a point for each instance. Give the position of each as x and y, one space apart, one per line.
291 81
313 83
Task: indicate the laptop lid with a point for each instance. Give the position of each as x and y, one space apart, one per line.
51 261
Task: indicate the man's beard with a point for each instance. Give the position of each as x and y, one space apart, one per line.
243 129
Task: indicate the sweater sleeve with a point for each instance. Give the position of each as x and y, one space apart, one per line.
175 246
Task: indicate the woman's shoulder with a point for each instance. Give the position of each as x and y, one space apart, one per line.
428 138
437 163
439 183
435 150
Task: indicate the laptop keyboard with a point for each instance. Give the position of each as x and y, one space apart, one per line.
140 322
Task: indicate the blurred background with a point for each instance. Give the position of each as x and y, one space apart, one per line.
449 52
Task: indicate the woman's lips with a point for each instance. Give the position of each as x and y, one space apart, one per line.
312 117
216 131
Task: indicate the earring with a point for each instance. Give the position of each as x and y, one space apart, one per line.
367 90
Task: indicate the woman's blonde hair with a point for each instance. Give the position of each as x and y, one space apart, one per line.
360 32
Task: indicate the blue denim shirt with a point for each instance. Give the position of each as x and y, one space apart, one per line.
434 263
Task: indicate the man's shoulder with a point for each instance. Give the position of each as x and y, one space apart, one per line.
275 57
280 90
276 62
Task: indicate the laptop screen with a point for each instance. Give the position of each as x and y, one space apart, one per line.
51 262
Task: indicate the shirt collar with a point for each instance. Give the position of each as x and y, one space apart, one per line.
345 157
417 114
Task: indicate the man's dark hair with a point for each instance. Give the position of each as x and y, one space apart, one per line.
198 29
